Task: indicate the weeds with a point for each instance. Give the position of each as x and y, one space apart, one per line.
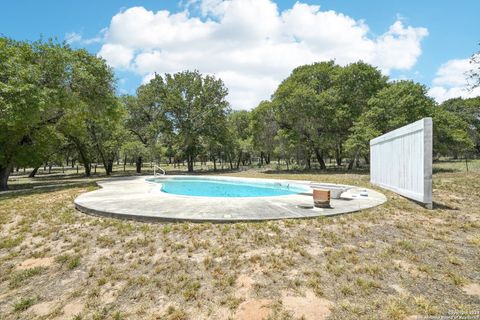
23 304
351 260
10 242
70 261
19 277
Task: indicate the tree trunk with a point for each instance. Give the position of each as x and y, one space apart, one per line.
214 164
190 163
320 160
103 158
109 166
350 164
138 164
88 169
353 160
82 152
34 172
86 163
105 167
338 155
239 159
367 160
4 174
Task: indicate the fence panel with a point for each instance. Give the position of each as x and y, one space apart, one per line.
401 161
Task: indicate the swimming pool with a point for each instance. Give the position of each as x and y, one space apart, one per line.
233 188
141 198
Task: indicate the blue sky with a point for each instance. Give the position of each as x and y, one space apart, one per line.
431 44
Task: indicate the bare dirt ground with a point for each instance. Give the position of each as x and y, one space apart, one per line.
397 261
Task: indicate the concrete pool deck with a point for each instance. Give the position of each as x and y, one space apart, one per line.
135 198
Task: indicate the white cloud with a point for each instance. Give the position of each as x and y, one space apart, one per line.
251 44
117 55
451 81
453 73
73 37
399 47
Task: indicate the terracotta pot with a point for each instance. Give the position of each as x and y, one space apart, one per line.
321 198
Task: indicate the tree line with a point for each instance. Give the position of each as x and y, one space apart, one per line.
59 105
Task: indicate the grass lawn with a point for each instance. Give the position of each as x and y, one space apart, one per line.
391 262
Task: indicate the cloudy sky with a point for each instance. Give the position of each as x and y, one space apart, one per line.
253 44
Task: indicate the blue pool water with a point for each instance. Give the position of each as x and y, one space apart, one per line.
227 188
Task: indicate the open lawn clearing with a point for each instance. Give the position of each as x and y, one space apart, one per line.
389 262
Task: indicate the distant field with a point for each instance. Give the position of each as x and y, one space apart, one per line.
395 261
68 175
457 165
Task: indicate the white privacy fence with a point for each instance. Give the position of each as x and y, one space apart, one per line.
401 161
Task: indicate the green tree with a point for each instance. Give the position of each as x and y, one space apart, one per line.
185 112
450 132
469 111
196 110
134 149
147 118
239 126
285 146
398 104
401 103
303 110
94 124
354 86
33 98
263 128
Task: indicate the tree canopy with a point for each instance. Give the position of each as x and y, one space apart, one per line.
60 104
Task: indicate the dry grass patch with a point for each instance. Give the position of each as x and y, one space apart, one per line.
389 262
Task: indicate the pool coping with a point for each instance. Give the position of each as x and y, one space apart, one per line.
134 198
